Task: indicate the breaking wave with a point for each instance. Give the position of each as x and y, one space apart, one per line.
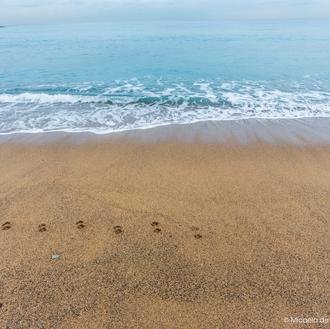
125 105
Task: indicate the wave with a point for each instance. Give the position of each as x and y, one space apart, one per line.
131 104
31 98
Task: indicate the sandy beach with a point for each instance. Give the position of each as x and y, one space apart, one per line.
125 233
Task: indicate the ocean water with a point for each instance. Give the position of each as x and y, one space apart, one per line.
106 77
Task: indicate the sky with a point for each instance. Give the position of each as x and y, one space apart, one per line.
52 11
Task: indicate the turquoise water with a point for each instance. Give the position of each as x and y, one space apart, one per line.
105 77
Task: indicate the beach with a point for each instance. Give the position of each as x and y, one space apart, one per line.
189 226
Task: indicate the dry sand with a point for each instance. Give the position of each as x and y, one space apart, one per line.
240 239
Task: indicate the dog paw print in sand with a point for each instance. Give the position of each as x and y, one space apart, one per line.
196 229
118 229
6 226
42 228
157 229
80 224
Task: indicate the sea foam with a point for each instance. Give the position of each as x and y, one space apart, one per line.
130 104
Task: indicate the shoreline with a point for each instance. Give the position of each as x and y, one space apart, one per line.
302 131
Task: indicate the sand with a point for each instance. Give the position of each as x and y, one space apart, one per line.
163 235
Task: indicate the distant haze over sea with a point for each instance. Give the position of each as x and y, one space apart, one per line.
69 11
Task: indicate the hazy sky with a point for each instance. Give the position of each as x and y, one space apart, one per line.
40 11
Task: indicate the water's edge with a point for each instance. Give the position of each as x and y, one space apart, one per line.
300 132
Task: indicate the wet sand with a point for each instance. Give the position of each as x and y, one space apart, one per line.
171 234
298 132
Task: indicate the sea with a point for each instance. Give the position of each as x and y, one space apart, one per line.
115 76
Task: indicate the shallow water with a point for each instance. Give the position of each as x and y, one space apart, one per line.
105 77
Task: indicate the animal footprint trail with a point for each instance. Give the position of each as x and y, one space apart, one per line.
42 228
80 224
118 229
6 226
156 225
196 235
